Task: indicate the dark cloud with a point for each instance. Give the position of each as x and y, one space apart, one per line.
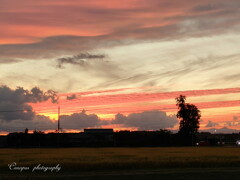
38 122
37 95
12 111
147 120
95 64
71 97
13 102
80 59
79 121
211 124
21 95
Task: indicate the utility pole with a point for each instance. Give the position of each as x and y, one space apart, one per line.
58 118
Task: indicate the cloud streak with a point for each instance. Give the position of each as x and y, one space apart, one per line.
148 97
80 59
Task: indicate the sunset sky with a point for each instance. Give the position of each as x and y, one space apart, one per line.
118 64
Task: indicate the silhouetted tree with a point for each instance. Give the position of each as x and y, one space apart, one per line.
26 131
189 116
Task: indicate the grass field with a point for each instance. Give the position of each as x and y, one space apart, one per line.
75 162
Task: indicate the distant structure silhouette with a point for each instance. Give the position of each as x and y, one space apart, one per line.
58 129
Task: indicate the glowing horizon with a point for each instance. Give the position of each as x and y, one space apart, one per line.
112 104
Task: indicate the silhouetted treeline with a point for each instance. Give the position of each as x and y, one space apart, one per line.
108 138
145 138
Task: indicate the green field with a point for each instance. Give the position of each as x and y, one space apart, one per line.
138 163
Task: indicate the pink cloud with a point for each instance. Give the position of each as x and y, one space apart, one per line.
96 102
142 97
32 20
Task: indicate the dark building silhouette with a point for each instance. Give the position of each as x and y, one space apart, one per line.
100 137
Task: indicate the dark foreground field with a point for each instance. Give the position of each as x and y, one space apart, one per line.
122 163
